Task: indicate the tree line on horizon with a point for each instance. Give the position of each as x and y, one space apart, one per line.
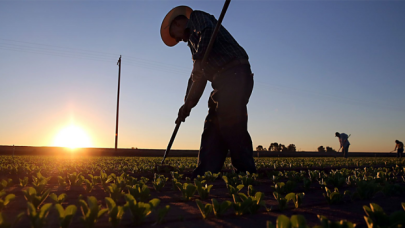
278 147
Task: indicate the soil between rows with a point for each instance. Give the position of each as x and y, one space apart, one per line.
187 214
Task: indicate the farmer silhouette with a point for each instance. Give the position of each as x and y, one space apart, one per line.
399 146
228 70
344 143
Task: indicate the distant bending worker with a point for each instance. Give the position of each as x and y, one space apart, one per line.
399 146
344 143
228 70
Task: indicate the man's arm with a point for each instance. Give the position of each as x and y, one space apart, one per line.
194 93
189 84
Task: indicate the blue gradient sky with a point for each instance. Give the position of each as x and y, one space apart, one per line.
320 67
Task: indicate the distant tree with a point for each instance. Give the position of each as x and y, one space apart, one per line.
259 148
321 149
329 149
291 148
282 148
274 147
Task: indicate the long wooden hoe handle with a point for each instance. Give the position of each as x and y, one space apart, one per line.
204 60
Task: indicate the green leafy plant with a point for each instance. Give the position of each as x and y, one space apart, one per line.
121 180
75 180
31 196
91 211
39 182
176 175
335 180
115 212
139 192
23 182
366 189
248 179
62 182
234 190
4 202
104 180
89 185
187 190
251 190
159 182
283 188
203 191
220 208
232 181
58 199
65 215
248 204
140 210
376 217
38 218
144 180
334 197
282 201
209 176
326 223
205 209
115 192
296 198
161 214
296 221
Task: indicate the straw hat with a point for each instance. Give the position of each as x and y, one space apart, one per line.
164 29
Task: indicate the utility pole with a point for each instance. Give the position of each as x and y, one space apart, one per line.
118 102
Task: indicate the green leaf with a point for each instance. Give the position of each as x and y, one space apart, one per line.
376 208
239 187
43 211
31 211
369 221
102 212
283 222
110 203
205 209
367 210
8 198
298 221
290 197
61 211
154 202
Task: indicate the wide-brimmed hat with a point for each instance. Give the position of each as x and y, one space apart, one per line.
165 27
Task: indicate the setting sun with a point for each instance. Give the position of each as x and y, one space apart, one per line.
72 137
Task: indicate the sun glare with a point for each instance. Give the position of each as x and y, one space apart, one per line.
72 137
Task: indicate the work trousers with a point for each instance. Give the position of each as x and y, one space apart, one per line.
399 153
345 151
225 127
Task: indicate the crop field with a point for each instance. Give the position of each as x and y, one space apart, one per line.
73 191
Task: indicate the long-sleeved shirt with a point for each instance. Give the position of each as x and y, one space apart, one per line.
201 26
343 139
